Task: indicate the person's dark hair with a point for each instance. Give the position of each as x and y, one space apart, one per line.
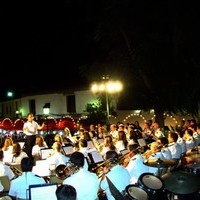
134 148
164 141
66 192
27 164
77 158
174 136
16 149
112 156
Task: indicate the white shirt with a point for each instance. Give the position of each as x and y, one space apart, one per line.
181 142
119 176
20 185
136 167
36 151
32 126
166 153
86 184
17 160
57 159
175 150
190 144
119 146
6 171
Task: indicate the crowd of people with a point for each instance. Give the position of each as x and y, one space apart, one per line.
85 179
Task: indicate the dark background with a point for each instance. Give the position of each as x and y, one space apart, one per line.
47 45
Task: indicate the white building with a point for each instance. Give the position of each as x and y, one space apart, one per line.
72 103
61 103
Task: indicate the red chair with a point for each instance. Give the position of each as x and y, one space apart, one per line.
18 124
7 124
67 122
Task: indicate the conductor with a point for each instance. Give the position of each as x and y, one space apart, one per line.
30 129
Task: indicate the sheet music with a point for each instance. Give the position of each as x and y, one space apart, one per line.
43 191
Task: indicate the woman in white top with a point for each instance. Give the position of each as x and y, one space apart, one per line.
67 137
18 153
121 142
57 158
107 145
7 149
39 144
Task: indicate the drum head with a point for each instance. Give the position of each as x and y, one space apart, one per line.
151 181
134 192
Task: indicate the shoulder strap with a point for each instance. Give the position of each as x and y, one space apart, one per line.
114 191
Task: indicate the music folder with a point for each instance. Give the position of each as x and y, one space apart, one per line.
142 142
95 157
68 150
42 191
45 153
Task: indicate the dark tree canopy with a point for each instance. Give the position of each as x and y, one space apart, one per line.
153 47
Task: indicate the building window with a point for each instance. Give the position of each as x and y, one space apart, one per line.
71 108
32 108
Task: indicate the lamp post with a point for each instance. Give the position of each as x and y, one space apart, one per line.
108 87
46 111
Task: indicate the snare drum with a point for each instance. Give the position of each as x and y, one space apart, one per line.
135 192
151 183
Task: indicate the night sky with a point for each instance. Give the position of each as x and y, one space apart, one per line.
44 44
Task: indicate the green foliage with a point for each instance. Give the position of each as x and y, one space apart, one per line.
95 113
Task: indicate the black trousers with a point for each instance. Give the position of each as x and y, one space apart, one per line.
29 143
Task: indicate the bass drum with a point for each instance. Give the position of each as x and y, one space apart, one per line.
154 185
134 192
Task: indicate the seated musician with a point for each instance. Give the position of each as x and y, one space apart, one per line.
18 153
153 154
20 185
58 156
165 150
5 169
189 140
119 175
39 144
85 182
133 162
64 192
173 145
107 145
68 139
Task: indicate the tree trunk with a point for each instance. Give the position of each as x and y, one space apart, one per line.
159 117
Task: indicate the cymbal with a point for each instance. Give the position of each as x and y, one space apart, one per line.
181 182
157 162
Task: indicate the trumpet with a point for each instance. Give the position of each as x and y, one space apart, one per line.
62 171
16 170
124 159
99 169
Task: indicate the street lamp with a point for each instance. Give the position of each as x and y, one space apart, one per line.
108 87
46 111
